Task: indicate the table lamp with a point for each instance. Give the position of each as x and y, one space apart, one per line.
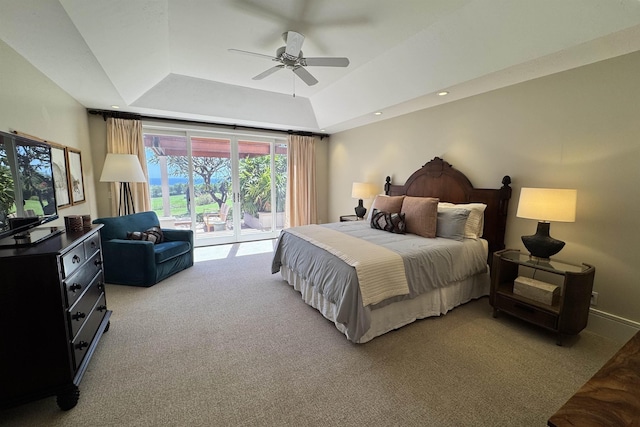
362 190
545 205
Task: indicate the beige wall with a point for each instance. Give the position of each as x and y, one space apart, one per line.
577 129
33 104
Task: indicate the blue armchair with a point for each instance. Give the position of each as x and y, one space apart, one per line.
141 262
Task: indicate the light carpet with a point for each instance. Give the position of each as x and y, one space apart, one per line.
225 343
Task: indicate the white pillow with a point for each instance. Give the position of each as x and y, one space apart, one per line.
475 222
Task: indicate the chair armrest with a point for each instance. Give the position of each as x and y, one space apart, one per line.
129 262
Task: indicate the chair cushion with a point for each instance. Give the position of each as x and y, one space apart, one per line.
167 250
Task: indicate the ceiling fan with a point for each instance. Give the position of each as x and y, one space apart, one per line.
291 57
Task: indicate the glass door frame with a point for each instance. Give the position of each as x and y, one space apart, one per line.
235 138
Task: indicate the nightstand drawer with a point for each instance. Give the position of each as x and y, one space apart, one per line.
526 312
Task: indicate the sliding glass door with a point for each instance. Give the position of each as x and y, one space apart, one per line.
262 182
225 187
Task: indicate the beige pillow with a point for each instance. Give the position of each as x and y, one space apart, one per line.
475 222
421 215
390 204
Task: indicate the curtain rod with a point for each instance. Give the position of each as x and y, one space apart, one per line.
135 116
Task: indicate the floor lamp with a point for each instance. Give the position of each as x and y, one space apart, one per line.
123 168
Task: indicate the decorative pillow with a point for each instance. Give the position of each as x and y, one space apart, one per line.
475 223
387 221
392 204
154 235
451 223
421 215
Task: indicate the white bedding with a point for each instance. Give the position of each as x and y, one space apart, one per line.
395 315
441 274
380 271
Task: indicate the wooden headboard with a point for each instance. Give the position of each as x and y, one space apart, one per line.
438 178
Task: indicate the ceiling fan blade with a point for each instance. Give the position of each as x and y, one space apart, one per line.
251 53
305 76
268 72
326 62
294 44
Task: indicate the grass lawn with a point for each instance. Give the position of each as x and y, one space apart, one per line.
178 204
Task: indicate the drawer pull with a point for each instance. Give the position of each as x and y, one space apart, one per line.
81 345
98 262
100 286
93 244
101 308
75 259
79 315
75 287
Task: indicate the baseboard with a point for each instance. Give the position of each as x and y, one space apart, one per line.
611 326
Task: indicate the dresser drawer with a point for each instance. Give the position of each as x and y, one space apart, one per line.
80 311
72 260
526 312
92 245
78 282
83 339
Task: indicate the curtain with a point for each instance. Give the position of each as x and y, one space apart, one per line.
125 137
301 182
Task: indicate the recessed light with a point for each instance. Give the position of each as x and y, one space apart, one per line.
115 106
377 113
443 93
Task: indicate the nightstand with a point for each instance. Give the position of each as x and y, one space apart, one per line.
566 316
344 218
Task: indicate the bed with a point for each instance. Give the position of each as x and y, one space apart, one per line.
369 281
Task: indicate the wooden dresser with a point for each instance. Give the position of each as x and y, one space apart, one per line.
611 397
53 313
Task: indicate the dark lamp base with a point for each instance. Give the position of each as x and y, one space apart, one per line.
541 245
360 210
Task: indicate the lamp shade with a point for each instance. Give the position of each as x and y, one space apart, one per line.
363 190
122 168
548 204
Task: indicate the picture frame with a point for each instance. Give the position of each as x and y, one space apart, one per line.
76 181
60 175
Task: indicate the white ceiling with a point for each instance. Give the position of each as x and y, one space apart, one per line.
170 58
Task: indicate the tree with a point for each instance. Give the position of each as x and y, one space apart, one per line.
33 163
207 168
255 183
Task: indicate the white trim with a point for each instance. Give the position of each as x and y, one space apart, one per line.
611 326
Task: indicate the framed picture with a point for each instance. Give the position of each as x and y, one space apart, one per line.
76 183
60 175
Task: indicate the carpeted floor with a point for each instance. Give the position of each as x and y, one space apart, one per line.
226 343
